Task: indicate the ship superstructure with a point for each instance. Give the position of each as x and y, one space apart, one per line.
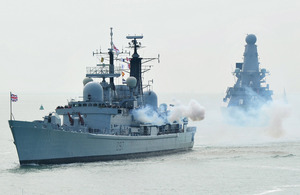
250 90
107 123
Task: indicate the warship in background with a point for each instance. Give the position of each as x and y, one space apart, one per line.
250 90
104 125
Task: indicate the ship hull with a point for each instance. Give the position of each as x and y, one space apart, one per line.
41 144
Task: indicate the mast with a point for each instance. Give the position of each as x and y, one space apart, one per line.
111 61
10 106
104 71
136 64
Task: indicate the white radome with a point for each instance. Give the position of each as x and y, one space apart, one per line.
131 82
93 92
87 80
251 39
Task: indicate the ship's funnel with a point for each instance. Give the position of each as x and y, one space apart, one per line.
136 64
250 56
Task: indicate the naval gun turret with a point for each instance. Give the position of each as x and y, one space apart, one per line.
250 89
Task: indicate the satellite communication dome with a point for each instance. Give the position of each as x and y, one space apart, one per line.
93 92
86 80
250 39
131 82
150 99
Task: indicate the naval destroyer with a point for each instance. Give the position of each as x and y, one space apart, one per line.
250 90
250 93
107 123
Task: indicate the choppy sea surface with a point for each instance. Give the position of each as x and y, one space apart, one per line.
226 158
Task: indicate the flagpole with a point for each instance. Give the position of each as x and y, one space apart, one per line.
10 106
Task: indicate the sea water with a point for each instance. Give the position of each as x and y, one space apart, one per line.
226 158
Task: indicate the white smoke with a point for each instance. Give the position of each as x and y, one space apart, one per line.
177 113
193 110
148 115
277 112
277 121
269 118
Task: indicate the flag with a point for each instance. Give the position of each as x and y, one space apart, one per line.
123 81
14 98
116 49
124 66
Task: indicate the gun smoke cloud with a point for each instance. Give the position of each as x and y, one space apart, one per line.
177 113
269 118
148 115
193 111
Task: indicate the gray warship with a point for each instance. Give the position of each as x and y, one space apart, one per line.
105 124
250 90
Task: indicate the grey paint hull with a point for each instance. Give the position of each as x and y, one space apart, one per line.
44 145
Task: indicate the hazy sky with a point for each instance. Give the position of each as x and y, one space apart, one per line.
46 45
